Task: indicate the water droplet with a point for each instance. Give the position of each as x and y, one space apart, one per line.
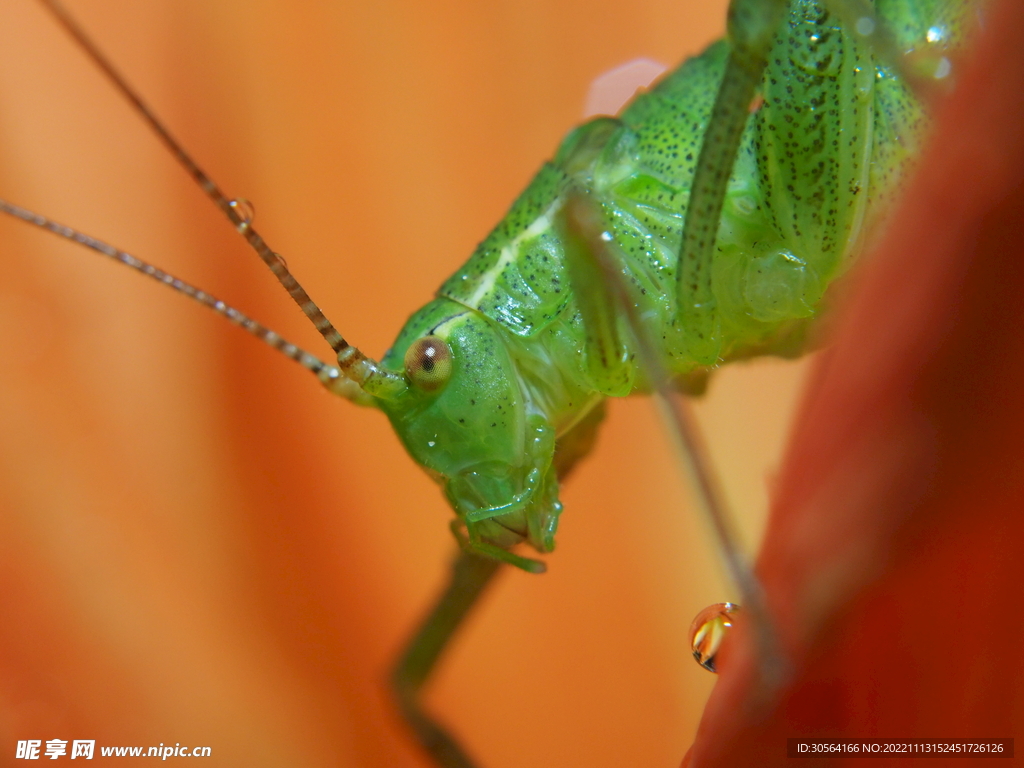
943 68
244 210
281 259
606 236
708 630
865 26
431 443
610 92
936 34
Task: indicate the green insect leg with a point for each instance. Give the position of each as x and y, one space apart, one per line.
752 25
470 576
596 258
606 355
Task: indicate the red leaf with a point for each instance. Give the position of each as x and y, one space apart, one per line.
893 556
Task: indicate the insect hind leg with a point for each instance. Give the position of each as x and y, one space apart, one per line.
752 25
470 576
593 257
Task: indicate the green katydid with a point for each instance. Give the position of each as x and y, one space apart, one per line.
496 387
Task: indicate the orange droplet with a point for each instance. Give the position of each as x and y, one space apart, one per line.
708 630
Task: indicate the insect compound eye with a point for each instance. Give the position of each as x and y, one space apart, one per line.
428 363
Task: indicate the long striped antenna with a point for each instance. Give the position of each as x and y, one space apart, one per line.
352 363
329 375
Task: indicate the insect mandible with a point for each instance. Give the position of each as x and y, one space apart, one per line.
194 467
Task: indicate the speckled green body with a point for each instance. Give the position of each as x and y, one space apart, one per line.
819 155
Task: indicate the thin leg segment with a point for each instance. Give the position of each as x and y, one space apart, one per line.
584 227
470 576
752 27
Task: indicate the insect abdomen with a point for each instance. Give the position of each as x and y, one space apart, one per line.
637 169
832 133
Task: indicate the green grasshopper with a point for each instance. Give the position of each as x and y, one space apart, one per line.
497 387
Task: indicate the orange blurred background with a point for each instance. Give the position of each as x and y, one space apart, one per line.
197 544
